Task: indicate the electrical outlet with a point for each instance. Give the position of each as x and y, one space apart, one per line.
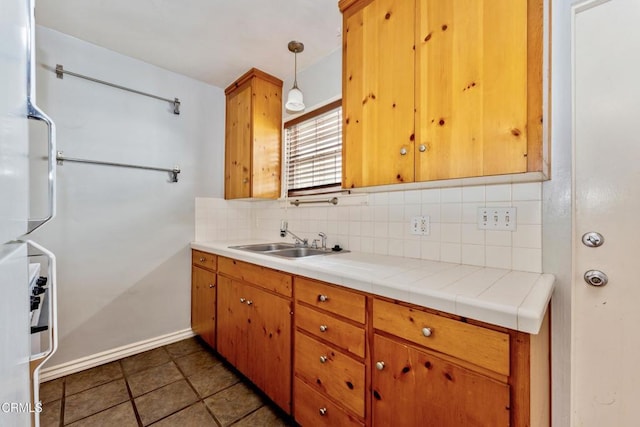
497 218
420 225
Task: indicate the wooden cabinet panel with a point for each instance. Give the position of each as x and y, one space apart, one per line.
266 278
327 327
203 304
454 85
334 299
253 130
315 409
471 88
378 95
330 371
415 388
204 260
254 335
481 346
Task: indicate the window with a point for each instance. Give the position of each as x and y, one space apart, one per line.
313 144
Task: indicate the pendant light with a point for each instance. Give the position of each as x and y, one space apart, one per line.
295 103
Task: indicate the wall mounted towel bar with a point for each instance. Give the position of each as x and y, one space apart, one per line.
173 173
60 72
332 201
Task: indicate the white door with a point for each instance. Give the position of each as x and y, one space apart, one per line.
606 319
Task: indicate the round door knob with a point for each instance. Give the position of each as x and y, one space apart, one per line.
592 239
323 328
249 302
380 366
323 411
422 148
323 359
426 332
242 300
596 278
202 259
323 298
211 285
403 151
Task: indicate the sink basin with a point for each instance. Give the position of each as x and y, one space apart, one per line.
265 247
285 250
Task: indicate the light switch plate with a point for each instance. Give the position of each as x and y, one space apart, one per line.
420 225
497 218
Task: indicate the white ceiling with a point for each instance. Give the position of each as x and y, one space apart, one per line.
214 41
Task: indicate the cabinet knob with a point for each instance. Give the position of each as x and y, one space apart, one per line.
426 332
403 151
380 365
245 181
323 328
211 285
242 300
249 302
323 411
323 359
202 259
422 148
323 298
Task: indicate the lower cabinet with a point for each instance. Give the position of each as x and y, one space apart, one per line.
416 388
203 304
356 359
254 335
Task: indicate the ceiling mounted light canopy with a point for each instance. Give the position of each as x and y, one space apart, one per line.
295 103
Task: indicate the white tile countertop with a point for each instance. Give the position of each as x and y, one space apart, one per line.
513 299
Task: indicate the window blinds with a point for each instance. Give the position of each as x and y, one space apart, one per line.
314 153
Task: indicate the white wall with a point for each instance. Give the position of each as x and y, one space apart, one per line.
556 217
122 235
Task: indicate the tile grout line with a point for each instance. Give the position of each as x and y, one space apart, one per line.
131 399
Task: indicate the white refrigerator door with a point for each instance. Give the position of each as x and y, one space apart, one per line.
15 341
14 142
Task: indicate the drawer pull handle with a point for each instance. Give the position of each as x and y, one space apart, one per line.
323 412
426 332
323 359
380 366
211 286
323 328
249 302
323 298
202 259
242 300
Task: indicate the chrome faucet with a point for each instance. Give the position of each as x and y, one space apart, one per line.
284 230
324 240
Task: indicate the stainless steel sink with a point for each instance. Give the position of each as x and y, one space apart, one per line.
264 247
285 250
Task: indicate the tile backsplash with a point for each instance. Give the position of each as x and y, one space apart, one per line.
382 224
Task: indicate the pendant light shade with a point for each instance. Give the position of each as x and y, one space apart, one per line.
295 102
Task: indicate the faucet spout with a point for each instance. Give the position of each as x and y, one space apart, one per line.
284 230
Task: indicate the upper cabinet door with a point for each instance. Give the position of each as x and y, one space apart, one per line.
472 79
378 93
253 136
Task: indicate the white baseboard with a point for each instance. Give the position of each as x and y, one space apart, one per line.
107 356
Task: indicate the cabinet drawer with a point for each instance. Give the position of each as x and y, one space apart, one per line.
327 327
204 259
483 347
331 298
262 276
315 409
330 371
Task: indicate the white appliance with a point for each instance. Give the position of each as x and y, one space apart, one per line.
19 358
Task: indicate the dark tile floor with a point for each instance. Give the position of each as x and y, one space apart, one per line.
181 384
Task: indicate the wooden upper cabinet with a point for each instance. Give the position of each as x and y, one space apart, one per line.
253 134
378 93
438 89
